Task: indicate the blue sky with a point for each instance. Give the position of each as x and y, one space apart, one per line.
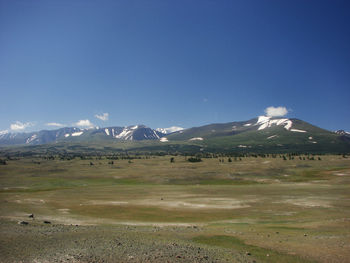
164 63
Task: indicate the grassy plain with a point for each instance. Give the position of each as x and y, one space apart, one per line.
253 209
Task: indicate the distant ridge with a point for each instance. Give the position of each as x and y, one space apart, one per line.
260 134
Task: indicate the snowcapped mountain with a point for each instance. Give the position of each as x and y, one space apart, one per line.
130 133
40 137
342 132
261 134
169 130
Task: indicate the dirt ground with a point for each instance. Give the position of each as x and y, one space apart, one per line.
151 210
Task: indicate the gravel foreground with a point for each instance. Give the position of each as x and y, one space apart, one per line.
47 242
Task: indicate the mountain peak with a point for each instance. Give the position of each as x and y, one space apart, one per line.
267 121
342 132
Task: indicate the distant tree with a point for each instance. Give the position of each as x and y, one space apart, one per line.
229 160
3 162
172 159
319 158
91 163
284 158
194 159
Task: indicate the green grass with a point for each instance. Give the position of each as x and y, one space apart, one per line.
236 204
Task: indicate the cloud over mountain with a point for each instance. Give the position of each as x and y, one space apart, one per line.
84 123
276 111
103 116
19 126
55 124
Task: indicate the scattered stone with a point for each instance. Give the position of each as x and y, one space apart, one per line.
47 222
178 256
277 232
23 223
305 235
267 255
248 253
31 216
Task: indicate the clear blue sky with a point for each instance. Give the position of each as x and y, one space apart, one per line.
164 62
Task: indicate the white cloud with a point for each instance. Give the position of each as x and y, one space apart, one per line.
19 126
55 124
276 111
4 132
84 123
103 117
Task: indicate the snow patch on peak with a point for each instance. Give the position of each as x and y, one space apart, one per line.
77 133
126 134
67 135
155 134
196 139
32 138
107 131
296 130
263 119
342 132
270 137
266 122
169 130
134 127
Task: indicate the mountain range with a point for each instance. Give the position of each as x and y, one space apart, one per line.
261 134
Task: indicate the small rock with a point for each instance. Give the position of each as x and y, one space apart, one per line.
248 253
178 256
47 222
267 255
23 223
31 216
305 235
